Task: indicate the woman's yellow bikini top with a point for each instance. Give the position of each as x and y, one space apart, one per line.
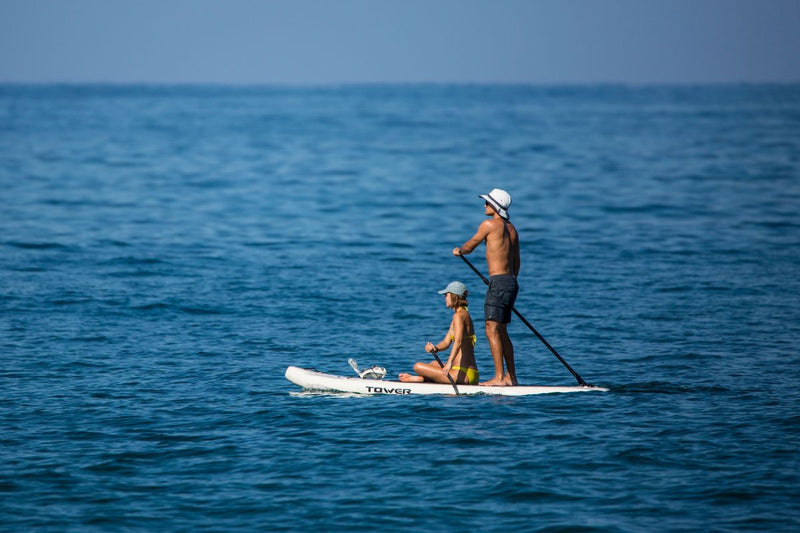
472 337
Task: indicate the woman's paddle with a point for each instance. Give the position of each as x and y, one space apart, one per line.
453 383
486 281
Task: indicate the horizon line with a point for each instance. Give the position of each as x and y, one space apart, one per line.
326 84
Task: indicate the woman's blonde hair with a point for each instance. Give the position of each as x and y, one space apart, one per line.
460 301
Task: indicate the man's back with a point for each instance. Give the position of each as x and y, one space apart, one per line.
502 247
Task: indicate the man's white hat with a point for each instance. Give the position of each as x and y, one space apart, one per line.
500 201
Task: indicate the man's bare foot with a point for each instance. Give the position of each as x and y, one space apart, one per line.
509 381
494 382
408 378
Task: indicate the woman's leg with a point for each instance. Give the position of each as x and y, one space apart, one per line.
431 372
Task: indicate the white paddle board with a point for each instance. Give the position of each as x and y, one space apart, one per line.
320 381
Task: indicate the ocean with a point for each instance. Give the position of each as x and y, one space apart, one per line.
167 251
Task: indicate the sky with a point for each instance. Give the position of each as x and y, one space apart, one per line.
313 42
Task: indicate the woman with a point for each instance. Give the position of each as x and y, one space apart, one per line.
461 336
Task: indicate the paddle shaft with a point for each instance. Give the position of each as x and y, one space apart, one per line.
453 383
544 341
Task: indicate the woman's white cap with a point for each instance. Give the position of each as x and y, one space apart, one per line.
500 201
455 287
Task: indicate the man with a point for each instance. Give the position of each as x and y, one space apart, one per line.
502 259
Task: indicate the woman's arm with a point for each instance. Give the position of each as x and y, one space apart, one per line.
438 347
457 334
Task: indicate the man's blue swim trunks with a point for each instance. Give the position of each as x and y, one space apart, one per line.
500 298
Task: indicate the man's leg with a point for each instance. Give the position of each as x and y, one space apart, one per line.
508 354
494 336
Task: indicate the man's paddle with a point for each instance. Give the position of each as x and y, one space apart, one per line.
486 281
453 383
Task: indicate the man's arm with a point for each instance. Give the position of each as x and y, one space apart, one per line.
479 237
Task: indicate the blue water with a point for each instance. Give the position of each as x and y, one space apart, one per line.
166 253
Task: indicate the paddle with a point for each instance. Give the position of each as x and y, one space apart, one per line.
575 374
453 383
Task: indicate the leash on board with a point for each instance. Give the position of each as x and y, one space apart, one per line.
581 381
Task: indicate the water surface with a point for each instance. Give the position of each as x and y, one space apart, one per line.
166 252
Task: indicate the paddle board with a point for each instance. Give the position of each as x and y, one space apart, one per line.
315 380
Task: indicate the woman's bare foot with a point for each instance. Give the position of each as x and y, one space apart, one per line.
408 378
